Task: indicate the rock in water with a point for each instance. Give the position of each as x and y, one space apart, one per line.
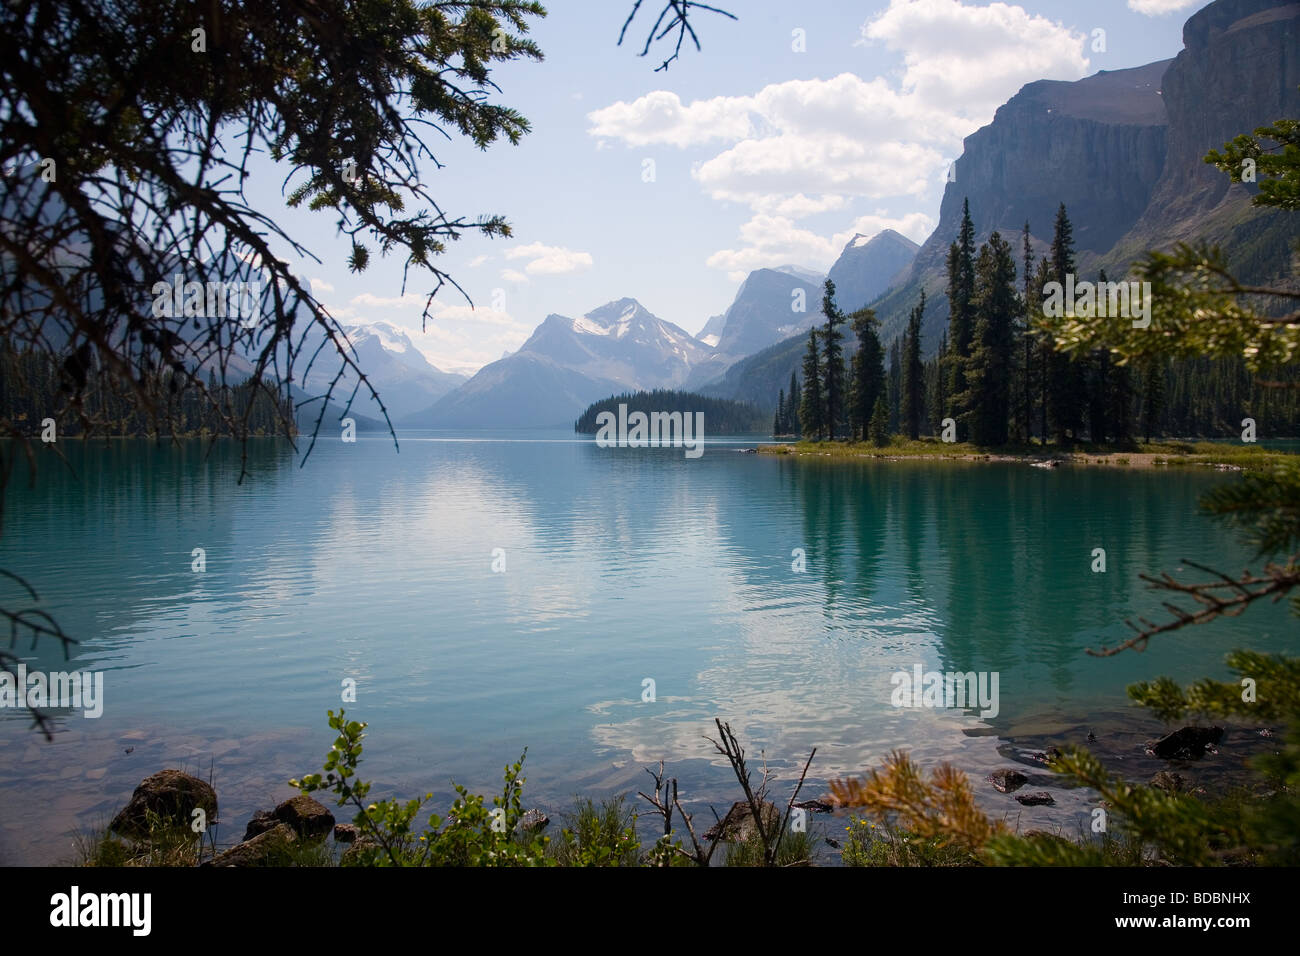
1007 781
1040 799
171 796
1190 743
1169 782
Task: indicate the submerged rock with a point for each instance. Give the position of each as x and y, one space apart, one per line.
1007 781
1169 782
1039 799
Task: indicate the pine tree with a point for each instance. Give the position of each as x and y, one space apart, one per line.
895 379
912 400
1029 304
988 396
1098 376
792 407
812 415
961 321
938 392
879 427
867 381
1044 348
1067 390
833 362
778 421
1153 394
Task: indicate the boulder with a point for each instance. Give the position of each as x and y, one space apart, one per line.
356 853
1169 782
740 827
1040 799
1189 743
816 806
171 797
307 818
266 849
345 833
262 821
1007 781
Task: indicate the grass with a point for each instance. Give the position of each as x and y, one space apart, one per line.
594 834
796 850
871 844
1142 454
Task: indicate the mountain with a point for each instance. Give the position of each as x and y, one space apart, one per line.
868 266
771 305
566 365
406 381
712 331
1124 151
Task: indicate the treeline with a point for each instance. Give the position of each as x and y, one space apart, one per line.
721 416
999 377
34 386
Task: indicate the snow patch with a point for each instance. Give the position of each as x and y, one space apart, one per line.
589 328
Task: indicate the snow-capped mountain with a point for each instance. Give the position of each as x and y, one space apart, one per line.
566 365
405 379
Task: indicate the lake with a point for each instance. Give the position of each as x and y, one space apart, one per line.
615 566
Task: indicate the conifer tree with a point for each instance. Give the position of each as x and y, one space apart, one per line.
812 415
833 362
912 400
792 406
868 372
961 321
1066 388
988 397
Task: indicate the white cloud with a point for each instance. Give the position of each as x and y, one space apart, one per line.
806 147
513 275
971 59
550 260
320 285
1158 8
660 117
478 261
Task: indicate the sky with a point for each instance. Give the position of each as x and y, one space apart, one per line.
795 127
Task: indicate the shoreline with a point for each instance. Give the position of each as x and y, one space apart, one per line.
1155 455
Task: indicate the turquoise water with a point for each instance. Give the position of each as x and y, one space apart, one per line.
621 565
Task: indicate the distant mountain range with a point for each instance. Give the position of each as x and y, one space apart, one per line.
1124 150
406 381
566 365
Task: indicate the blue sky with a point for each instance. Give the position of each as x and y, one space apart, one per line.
762 154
